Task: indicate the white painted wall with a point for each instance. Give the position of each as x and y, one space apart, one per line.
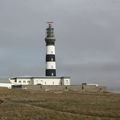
42 81
46 81
6 85
12 81
93 85
50 49
66 81
21 81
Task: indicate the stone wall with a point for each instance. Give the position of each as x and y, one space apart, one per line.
86 88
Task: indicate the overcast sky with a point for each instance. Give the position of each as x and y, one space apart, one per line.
87 39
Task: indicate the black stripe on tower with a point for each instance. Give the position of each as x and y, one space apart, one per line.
51 72
50 41
50 58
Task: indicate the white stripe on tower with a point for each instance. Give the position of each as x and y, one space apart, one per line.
50 52
51 65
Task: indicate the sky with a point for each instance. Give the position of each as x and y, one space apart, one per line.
87 39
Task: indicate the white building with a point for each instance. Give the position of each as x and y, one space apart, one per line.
94 85
40 80
6 85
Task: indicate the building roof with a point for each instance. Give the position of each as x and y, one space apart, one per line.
41 77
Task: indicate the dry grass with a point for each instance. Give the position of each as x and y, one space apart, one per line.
36 105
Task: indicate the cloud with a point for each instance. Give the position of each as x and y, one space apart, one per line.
87 33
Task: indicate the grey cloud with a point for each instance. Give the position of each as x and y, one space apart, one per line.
87 33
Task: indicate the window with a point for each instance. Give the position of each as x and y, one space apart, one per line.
19 81
15 80
45 83
28 81
24 81
52 74
53 83
51 59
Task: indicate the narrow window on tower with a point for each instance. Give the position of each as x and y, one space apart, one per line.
51 59
52 74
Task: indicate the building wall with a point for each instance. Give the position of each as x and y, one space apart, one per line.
76 88
41 81
6 85
46 81
19 81
23 81
66 81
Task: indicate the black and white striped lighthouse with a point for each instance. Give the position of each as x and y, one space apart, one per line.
50 51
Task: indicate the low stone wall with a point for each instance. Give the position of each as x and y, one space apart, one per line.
86 88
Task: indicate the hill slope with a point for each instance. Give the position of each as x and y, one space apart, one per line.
36 105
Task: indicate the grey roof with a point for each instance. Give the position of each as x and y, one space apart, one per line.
43 77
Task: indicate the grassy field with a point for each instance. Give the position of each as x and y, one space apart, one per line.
36 105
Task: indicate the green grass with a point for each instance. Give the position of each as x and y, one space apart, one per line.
36 105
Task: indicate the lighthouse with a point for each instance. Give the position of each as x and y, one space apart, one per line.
50 51
50 78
